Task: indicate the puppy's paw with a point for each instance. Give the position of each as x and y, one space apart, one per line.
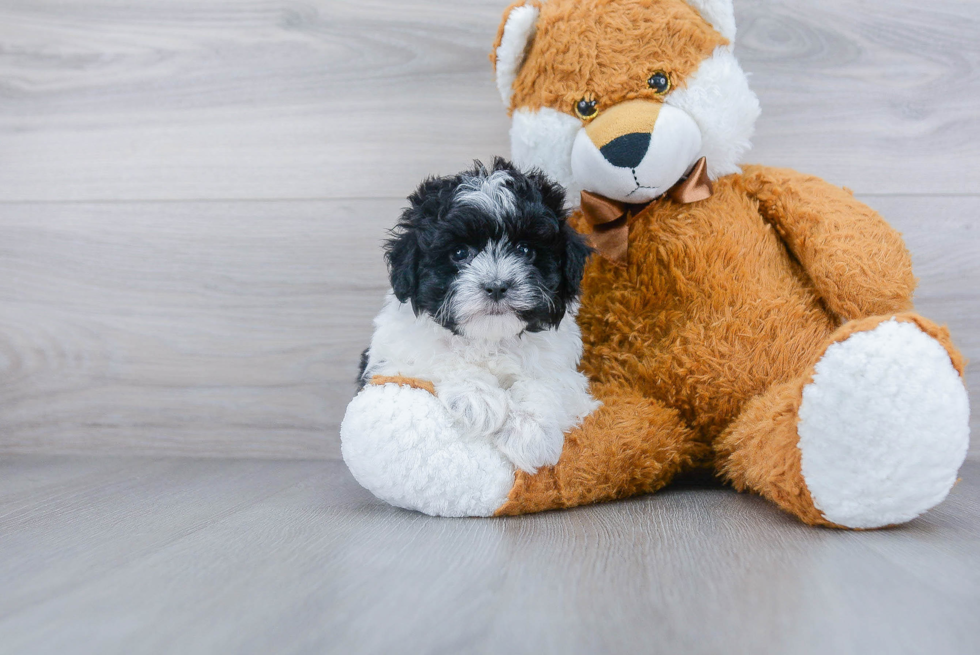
529 446
477 410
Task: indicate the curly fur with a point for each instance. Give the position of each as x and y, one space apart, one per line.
722 335
485 276
766 333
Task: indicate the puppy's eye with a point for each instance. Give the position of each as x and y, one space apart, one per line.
659 82
460 255
525 251
586 109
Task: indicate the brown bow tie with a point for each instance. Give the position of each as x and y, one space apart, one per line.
610 219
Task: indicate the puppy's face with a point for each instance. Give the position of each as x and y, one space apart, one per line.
487 253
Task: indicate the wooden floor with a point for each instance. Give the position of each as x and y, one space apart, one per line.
192 197
189 556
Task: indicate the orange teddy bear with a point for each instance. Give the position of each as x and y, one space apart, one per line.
752 320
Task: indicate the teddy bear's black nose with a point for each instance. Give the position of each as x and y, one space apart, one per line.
627 151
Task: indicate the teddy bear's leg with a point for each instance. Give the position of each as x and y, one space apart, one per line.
400 444
871 435
630 445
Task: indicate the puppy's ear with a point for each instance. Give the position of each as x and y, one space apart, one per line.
403 251
573 264
402 254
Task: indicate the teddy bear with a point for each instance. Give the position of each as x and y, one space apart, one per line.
751 321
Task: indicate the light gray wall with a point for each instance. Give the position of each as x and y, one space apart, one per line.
192 194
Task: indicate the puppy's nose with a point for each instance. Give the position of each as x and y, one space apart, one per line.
496 290
628 150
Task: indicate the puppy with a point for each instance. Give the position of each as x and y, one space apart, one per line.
485 276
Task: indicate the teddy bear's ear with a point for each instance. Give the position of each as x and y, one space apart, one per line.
513 40
720 13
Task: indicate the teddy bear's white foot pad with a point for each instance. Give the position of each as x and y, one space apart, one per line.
884 427
400 444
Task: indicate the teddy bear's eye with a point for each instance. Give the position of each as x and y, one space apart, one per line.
659 82
585 109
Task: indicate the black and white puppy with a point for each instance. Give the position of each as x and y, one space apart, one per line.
485 276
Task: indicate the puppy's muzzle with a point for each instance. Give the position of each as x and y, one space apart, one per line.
497 290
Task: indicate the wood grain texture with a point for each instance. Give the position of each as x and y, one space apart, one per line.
141 312
164 556
881 97
234 328
194 328
943 235
192 199
232 99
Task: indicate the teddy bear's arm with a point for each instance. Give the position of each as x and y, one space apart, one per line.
858 263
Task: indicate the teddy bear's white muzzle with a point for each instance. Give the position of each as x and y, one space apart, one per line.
637 167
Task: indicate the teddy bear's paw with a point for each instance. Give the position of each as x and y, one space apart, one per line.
527 444
401 445
883 427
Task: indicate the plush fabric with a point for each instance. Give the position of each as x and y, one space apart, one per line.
630 445
718 99
399 442
584 51
509 50
401 380
603 50
762 451
767 332
872 451
543 139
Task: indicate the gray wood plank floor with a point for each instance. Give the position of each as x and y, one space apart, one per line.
128 556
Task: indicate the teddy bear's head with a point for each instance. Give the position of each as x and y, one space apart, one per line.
623 97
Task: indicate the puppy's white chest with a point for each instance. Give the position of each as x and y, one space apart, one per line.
503 364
